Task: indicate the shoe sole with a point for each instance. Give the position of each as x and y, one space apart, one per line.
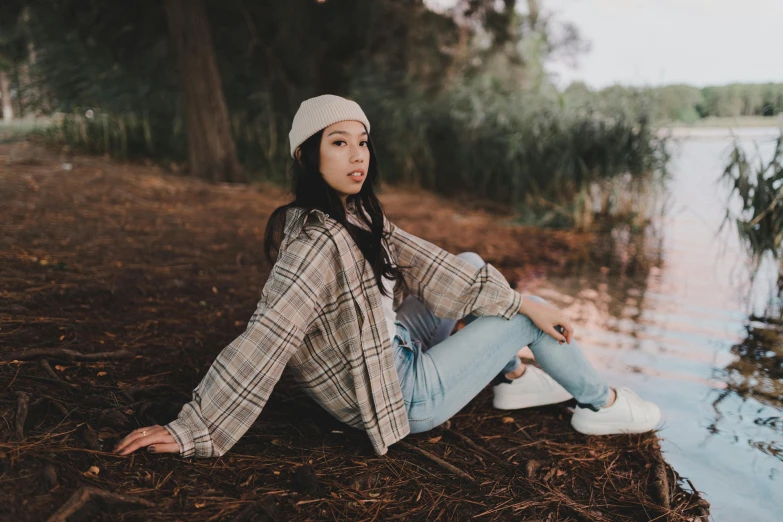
515 403
610 428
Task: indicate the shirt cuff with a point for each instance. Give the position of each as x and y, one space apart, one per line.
514 306
183 436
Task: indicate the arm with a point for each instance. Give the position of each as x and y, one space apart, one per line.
451 287
236 387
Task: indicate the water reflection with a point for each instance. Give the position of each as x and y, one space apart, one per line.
757 375
667 313
758 371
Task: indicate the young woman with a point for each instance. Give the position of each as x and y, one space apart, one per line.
361 312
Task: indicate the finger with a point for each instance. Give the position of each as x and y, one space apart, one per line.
561 332
554 333
137 434
171 447
565 328
569 332
156 438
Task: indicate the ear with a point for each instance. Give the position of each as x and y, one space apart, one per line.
298 154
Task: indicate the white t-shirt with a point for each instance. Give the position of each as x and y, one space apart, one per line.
388 308
387 302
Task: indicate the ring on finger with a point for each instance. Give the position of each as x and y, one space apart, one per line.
144 433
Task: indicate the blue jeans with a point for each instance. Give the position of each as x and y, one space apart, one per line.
439 374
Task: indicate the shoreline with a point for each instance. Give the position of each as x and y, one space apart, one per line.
746 126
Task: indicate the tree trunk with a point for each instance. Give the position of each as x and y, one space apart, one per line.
211 149
5 92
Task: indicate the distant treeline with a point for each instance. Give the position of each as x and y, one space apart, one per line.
687 103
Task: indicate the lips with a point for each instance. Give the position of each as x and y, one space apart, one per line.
358 173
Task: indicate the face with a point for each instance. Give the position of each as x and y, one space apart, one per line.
345 157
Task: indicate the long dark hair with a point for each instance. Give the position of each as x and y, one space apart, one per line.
311 191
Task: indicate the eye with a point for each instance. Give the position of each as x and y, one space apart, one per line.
339 142
363 143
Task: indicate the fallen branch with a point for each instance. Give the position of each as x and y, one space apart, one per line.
87 493
437 460
22 405
69 355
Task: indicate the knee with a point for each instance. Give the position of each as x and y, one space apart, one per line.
472 258
524 321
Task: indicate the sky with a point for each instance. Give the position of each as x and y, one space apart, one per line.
660 42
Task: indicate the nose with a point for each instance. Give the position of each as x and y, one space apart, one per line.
356 154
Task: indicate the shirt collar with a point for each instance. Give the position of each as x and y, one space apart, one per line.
294 221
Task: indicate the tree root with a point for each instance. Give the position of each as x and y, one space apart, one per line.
59 382
59 407
49 475
85 494
69 355
661 490
130 393
48 369
22 406
437 460
54 377
90 437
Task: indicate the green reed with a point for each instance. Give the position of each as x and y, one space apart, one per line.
759 187
126 136
558 166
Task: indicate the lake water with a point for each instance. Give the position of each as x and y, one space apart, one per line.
674 333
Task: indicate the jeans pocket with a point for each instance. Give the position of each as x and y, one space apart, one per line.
421 425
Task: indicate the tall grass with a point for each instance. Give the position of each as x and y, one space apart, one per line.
126 136
22 127
759 187
164 137
558 166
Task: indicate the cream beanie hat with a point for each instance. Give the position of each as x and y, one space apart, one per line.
318 113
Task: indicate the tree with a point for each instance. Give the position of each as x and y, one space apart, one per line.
211 150
120 59
12 45
5 92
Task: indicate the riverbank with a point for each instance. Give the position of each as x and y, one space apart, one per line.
735 122
716 128
120 283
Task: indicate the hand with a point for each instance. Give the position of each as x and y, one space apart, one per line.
547 317
156 438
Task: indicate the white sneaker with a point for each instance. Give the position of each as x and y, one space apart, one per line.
628 414
534 388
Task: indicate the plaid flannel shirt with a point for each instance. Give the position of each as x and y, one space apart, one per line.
320 314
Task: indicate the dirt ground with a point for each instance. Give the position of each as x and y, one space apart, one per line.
120 283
